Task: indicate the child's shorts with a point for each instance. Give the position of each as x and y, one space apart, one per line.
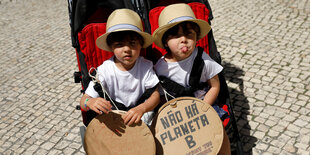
148 117
221 112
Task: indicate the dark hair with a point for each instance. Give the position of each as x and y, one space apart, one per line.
122 35
174 31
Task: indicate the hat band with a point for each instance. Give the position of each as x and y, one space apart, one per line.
123 26
182 18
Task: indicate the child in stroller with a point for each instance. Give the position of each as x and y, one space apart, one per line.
125 38
88 20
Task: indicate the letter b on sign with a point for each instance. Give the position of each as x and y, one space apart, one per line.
189 141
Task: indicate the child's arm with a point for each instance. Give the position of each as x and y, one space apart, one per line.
98 104
134 115
214 90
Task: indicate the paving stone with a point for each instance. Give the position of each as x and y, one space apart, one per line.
32 149
270 123
80 153
302 146
68 151
47 145
289 118
41 151
62 144
303 152
274 150
54 152
300 123
259 134
262 128
290 148
277 143
292 134
273 133
292 127
262 146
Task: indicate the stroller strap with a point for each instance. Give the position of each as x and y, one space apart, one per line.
178 90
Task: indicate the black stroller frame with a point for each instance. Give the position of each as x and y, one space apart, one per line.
81 10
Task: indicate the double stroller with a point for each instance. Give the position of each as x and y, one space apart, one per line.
88 21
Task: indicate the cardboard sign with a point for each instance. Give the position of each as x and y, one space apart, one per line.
107 134
188 126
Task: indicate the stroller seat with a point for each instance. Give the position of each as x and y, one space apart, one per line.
203 11
94 56
88 21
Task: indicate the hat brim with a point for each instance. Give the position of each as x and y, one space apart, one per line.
159 32
101 41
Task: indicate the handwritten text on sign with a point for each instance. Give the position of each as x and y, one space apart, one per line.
176 127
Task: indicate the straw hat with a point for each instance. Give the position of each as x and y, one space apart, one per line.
123 20
175 14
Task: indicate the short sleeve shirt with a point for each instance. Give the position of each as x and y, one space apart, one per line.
125 87
180 71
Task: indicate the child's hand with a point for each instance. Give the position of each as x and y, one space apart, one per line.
99 105
134 115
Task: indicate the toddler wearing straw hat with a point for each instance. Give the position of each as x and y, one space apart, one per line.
178 32
126 76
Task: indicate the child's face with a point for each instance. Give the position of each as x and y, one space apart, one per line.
181 44
126 52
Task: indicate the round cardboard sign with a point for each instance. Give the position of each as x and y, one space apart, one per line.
107 134
187 125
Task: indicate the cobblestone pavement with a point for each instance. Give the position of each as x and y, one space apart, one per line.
265 47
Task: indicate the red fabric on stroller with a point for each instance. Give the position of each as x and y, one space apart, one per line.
94 56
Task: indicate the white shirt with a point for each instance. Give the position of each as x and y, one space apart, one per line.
125 86
180 71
